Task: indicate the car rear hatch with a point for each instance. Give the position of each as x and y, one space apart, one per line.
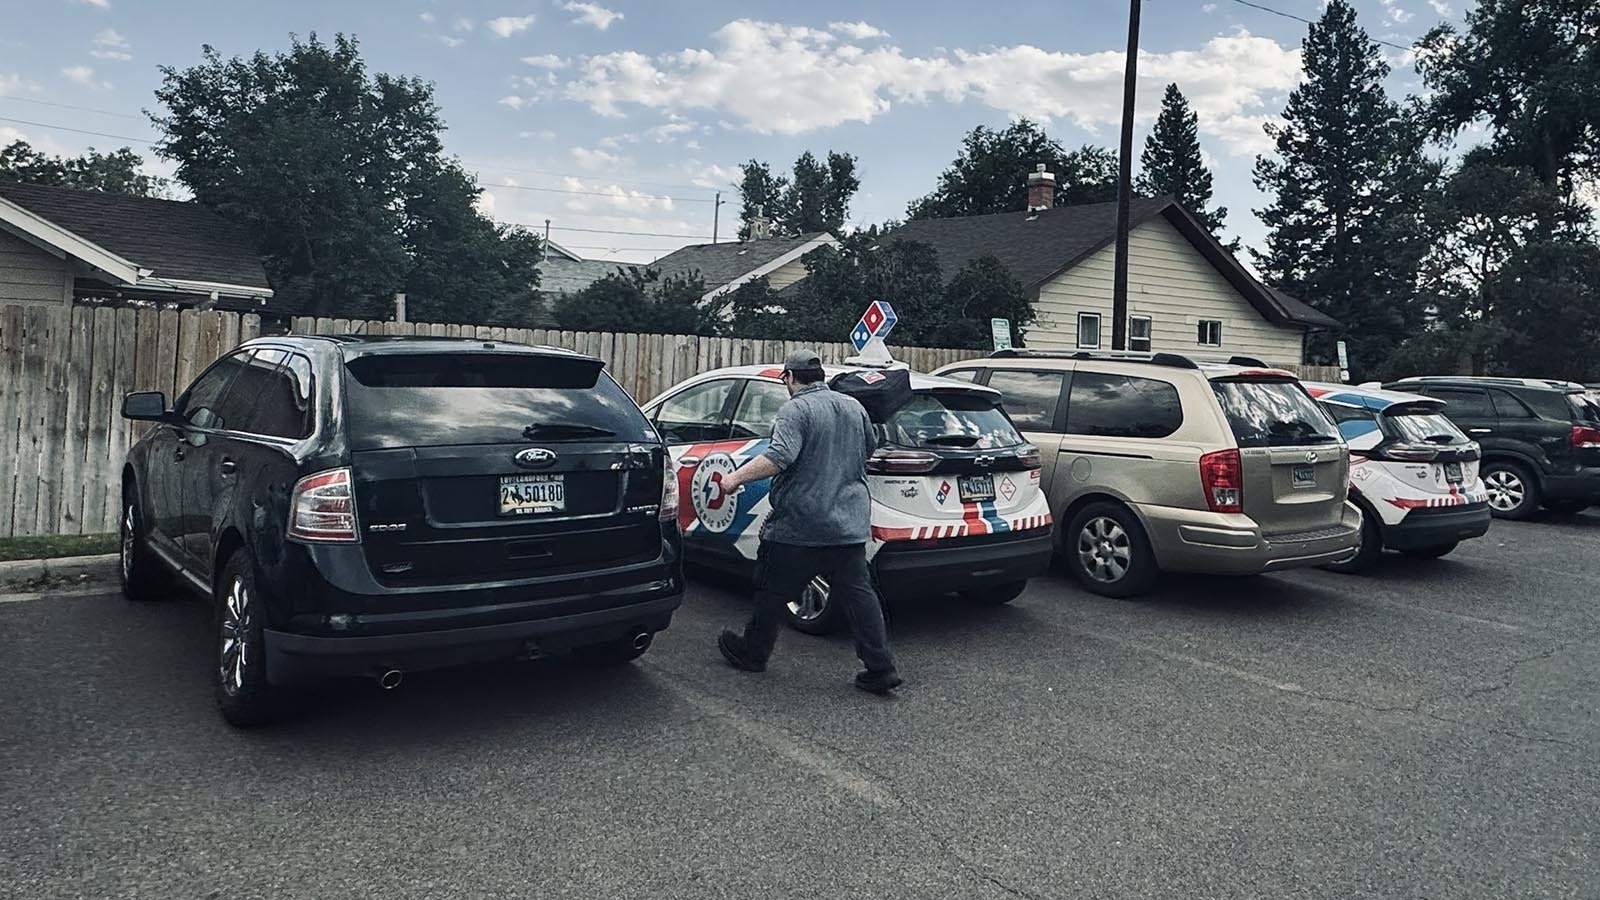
1425 450
1293 463
953 460
498 465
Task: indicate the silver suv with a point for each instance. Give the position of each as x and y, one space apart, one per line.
1158 462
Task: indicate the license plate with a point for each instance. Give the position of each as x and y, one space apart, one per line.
532 495
1305 476
1452 473
976 487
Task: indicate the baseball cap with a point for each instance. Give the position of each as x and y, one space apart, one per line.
802 361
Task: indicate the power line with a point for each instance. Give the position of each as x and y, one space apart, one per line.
1287 15
119 137
660 184
103 112
693 237
525 187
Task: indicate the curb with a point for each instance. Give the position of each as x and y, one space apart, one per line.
65 567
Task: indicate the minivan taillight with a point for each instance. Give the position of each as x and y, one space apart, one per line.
322 508
669 490
1222 478
902 462
1586 437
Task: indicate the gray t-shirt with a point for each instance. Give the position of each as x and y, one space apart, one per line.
820 441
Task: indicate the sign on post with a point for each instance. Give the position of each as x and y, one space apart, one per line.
1344 361
1000 329
874 326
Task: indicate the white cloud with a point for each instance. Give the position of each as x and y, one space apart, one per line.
108 44
1209 8
541 135
1395 13
666 133
596 160
97 4
514 101
506 26
1441 8
485 204
592 14
612 197
448 41
463 23
713 176
772 78
857 31
12 85
547 61
428 18
84 75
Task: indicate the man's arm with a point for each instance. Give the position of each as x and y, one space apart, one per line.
788 436
755 470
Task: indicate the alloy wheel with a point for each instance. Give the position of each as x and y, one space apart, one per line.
234 636
813 601
1104 550
1506 490
127 547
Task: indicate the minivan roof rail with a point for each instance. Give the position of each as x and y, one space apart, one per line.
1170 360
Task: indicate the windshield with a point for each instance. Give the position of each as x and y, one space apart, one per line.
1273 413
433 399
952 420
1422 428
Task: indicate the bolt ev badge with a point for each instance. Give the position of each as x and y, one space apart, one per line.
534 458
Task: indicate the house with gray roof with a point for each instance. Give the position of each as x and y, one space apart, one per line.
58 245
1186 292
727 265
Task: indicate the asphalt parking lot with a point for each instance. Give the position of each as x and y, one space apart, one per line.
1428 731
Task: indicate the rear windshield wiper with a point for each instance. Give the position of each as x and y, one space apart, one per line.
564 429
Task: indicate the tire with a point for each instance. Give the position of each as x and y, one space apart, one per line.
239 671
998 595
142 575
1107 551
1567 507
1433 552
813 612
1513 491
1370 551
619 652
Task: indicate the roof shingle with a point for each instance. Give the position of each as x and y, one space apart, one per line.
721 263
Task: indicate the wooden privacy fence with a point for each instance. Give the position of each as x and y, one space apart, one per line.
63 373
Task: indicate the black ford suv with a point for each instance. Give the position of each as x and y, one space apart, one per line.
365 506
1540 439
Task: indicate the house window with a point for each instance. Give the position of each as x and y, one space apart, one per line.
1209 333
1088 331
1139 333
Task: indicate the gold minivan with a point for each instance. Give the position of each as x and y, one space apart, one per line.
1156 462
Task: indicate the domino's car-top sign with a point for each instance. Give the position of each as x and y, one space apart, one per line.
876 322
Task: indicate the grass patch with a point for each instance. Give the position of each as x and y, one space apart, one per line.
56 546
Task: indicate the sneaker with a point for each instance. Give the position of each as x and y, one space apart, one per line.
734 651
880 683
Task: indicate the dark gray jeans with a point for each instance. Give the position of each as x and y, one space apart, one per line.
782 573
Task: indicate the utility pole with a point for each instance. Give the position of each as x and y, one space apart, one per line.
546 249
1119 284
716 216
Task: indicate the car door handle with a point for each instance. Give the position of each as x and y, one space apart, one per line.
177 453
687 461
1480 430
229 467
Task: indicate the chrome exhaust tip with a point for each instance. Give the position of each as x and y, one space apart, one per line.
391 679
642 640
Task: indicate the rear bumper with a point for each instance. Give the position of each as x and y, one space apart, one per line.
1437 527
1584 484
959 564
1187 540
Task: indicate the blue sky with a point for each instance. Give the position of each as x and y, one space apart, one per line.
627 116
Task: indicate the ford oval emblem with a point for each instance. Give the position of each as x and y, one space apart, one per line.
534 458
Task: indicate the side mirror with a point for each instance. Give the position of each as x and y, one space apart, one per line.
145 406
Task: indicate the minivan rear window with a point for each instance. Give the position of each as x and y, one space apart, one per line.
1273 413
952 420
434 399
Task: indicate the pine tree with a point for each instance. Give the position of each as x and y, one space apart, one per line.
1346 187
1171 164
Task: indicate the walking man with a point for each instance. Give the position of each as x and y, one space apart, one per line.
820 522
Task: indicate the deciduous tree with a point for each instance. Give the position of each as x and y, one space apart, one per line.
990 174
117 172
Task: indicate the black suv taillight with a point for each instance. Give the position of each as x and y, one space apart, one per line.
1586 437
322 508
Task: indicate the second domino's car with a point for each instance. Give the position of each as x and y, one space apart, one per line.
1413 473
956 504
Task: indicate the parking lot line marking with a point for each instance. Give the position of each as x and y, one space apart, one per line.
1432 611
1287 687
56 595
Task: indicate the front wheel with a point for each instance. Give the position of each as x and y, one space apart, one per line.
814 611
1513 491
239 667
1433 552
998 595
1108 553
140 572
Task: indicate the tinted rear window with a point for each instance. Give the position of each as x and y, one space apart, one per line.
1273 413
1122 406
432 399
1585 407
1422 428
952 420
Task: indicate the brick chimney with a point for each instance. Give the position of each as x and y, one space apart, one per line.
760 225
1041 189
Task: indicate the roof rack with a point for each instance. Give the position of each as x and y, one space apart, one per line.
1557 383
1171 360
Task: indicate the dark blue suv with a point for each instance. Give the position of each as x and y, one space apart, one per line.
366 506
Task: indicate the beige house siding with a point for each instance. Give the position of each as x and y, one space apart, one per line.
1169 281
30 274
786 274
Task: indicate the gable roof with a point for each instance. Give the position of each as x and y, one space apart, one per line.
560 275
727 265
1039 246
171 243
